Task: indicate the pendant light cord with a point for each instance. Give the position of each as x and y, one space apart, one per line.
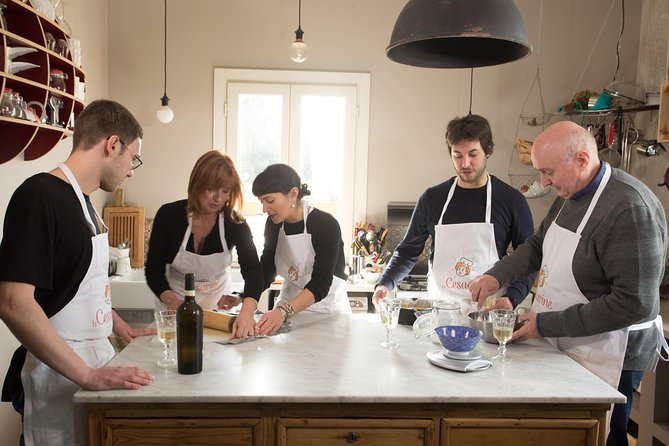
299 14
471 88
620 36
594 46
165 52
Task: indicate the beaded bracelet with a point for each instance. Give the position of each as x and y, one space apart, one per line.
284 312
289 308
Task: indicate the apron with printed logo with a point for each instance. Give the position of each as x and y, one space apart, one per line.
84 323
212 272
462 252
557 290
294 262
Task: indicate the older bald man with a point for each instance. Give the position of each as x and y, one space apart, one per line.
600 253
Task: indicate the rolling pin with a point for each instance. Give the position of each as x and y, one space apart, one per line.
218 321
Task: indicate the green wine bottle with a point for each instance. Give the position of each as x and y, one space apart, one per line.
190 330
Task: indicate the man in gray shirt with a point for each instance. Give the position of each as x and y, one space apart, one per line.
600 253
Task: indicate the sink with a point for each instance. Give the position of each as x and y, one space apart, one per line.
131 290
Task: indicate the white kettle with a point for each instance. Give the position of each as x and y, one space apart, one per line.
123 266
120 257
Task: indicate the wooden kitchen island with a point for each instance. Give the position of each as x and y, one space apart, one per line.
329 382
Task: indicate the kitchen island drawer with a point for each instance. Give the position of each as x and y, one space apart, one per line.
343 431
525 431
177 424
193 431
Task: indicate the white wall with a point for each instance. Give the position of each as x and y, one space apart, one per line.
409 106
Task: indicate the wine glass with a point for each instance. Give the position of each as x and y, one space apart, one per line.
166 325
503 322
389 310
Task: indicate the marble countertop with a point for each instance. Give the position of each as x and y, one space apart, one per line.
337 359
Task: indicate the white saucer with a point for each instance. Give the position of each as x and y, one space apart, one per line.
462 356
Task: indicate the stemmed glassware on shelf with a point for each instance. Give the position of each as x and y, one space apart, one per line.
166 325
503 322
389 310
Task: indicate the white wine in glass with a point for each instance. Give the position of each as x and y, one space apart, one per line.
389 310
503 334
168 336
503 322
166 325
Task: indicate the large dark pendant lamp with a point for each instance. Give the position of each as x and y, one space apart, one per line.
458 34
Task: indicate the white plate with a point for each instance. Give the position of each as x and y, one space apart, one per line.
17 51
15 67
437 358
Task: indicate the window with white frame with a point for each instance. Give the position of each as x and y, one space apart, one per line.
317 122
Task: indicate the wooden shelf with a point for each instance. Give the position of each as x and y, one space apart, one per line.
614 111
28 27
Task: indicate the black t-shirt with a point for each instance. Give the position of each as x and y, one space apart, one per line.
47 241
328 247
167 233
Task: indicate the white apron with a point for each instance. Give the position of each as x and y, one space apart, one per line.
557 290
50 417
212 272
294 262
462 252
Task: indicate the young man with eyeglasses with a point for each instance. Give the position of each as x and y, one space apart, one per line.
54 289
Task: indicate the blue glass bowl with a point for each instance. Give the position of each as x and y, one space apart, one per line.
456 338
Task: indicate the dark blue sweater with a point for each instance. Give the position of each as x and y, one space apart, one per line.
510 216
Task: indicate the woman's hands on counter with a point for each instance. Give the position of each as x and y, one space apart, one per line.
245 323
229 301
269 323
170 299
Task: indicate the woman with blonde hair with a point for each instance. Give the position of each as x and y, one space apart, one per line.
197 235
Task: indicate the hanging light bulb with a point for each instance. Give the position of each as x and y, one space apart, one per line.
299 51
165 113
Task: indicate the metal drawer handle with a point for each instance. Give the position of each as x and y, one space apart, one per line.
352 437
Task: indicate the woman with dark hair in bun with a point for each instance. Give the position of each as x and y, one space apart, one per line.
303 245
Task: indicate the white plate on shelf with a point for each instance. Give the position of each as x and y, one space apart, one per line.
16 51
15 67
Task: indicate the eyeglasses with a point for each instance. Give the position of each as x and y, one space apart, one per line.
136 161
